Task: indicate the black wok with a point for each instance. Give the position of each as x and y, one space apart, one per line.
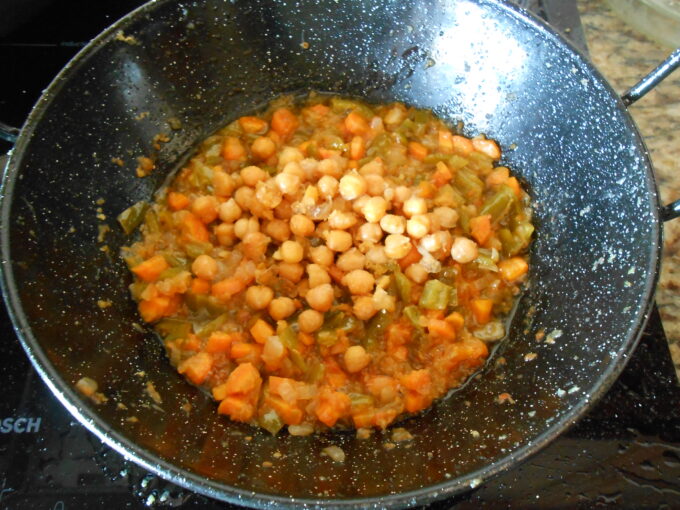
486 63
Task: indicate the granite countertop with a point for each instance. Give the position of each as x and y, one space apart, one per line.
624 56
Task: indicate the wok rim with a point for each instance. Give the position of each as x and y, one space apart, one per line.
192 481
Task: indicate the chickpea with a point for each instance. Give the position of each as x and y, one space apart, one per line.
263 147
289 154
352 186
359 203
254 245
278 230
245 226
393 224
446 216
397 246
290 271
321 255
374 209
320 298
289 184
445 240
225 234
329 167
464 250
301 225
310 320
369 232
375 185
258 297
291 251
205 208
415 205
376 255
351 260
394 116
229 211
364 308
244 197
356 359
317 275
359 281
342 220
418 226
339 240
294 168
402 194
373 167
388 194
251 175
309 166
223 183
204 266
268 193
284 210
281 307
417 273
328 186
311 196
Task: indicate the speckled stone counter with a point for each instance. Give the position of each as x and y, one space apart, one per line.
623 56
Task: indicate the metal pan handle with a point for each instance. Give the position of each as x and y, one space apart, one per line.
672 210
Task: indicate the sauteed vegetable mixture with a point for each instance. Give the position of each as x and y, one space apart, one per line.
330 263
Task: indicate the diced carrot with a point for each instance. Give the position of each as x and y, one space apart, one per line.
488 147
353 164
417 380
261 331
306 338
197 367
426 189
441 329
245 351
480 228
220 341
284 122
237 408
381 384
497 177
331 406
233 149
475 349
200 286
304 146
177 201
284 387
364 418
414 402
400 353
220 392
445 141
384 417
193 229
289 413
357 148
336 273
333 374
514 184
457 319
462 145
252 125
327 153
245 378
151 269
319 109
225 289
481 310
191 343
356 124
158 307
513 268
442 174
417 150
411 257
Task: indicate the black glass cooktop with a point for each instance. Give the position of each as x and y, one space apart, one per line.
624 454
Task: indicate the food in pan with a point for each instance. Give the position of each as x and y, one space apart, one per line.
329 263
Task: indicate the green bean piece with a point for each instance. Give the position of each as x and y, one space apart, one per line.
289 338
196 249
508 241
271 422
131 217
137 288
486 263
457 162
435 295
360 400
412 313
171 272
203 302
171 329
153 226
523 234
436 157
447 196
376 329
315 371
326 337
422 116
499 203
339 104
469 184
176 260
298 360
212 326
464 219
403 286
448 275
213 155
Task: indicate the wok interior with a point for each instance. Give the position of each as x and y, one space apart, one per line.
484 64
